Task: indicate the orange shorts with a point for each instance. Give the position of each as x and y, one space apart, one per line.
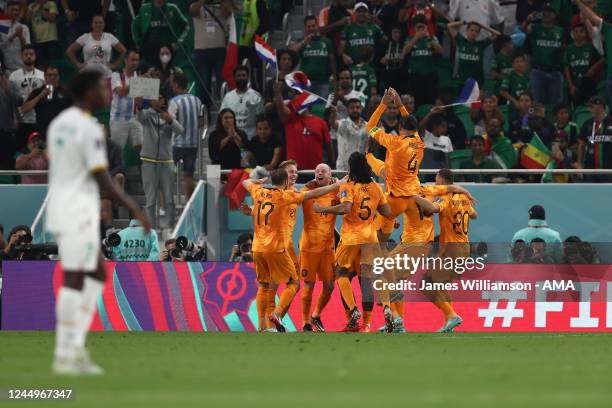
317 265
453 251
294 257
399 206
274 267
351 257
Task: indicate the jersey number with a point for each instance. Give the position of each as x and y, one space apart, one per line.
262 206
134 243
360 84
413 163
363 207
461 224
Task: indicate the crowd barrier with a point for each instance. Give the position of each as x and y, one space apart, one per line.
216 296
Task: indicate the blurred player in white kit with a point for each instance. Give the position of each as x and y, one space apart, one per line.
77 172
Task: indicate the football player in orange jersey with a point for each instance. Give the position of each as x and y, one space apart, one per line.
418 231
404 156
455 213
360 199
317 249
273 264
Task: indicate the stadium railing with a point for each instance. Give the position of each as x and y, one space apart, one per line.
191 222
39 231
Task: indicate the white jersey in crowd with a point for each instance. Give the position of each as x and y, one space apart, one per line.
122 107
246 106
97 54
352 137
440 143
26 82
341 111
76 148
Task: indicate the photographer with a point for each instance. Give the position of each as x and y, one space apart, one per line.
36 159
171 253
15 248
136 245
577 251
156 155
242 252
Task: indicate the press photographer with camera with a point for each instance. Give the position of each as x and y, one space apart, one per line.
35 159
182 249
242 252
19 246
171 253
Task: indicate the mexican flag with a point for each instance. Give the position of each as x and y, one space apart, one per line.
536 155
231 56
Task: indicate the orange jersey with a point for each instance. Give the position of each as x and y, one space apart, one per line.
292 209
358 224
271 217
455 212
404 157
418 227
318 231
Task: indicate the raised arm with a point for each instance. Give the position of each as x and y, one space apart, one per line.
385 210
588 13
339 209
282 109
321 191
427 206
453 28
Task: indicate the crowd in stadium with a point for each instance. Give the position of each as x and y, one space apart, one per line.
544 81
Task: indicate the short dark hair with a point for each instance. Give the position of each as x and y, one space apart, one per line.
560 106
18 228
132 51
244 237
359 168
309 17
169 241
181 80
409 122
83 82
501 41
27 47
526 93
477 138
48 67
262 118
473 23
537 239
447 175
279 176
241 68
347 70
518 54
437 120
353 100
292 55
419 19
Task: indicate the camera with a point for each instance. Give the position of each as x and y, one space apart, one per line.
112 240
197 252
28 250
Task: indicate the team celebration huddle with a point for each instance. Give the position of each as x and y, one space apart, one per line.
369 217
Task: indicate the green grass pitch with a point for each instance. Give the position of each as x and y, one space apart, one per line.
311 370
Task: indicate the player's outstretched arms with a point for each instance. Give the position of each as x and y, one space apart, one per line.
246 183
339 209
456 189
105 182
385 210
427 206
377 114
321 191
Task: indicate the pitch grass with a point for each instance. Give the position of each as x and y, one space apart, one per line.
311 370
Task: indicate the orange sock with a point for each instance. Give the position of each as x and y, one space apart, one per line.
322 302
286 297
262 302
398 309
367 317
346 290
270 304
306 303
447 309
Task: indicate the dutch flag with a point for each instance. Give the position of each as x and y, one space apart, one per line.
265 52
304 101
470 95
297 80
5 23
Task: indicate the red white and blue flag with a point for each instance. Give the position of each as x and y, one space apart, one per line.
5 23
297 80
470 95
265 52
304 101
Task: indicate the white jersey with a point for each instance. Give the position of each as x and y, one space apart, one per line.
26 82
76 148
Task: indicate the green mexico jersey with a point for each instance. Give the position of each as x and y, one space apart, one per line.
357 37
503 64
314 59
580 58
421 56
546 46
364 78
515 83
468 58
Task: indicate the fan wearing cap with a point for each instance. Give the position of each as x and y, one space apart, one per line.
359 34
595 139
538 228
547 45
35 159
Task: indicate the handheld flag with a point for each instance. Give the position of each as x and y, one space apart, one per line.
265 53
470 95
5 23
536 155
304 101
297 80
233 189
231 56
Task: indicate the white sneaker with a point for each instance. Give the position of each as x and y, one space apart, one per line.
86 364
66 366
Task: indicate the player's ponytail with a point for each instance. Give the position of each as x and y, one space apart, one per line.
359 169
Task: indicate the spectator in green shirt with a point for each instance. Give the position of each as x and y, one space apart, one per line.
364 76
360 34
468 58
422 49
317 57
582 63
546 40
502 61
515 83
478 161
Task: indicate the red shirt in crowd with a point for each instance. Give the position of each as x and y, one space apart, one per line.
305 137
428 13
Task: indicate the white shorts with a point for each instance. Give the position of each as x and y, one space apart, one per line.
80 251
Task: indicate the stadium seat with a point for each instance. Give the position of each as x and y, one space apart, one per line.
581 115
463 114
458 156
422 111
